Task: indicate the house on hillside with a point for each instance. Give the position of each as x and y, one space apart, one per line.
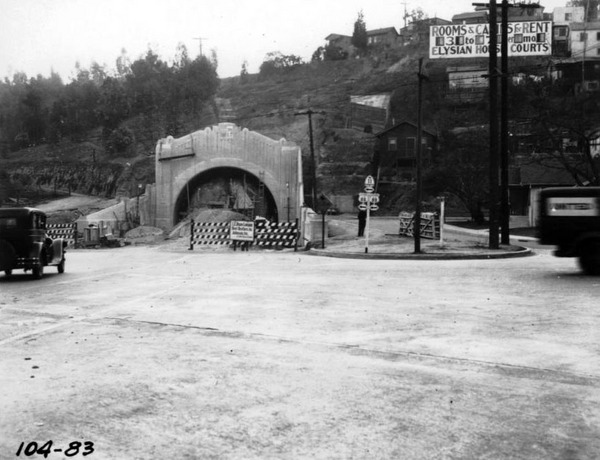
370 113
343 42
480 15
585 40
418 31
383 38
395 155
562 18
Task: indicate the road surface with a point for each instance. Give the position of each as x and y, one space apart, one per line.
160 352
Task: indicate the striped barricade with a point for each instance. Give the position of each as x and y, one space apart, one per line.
202 233
68 232
276 235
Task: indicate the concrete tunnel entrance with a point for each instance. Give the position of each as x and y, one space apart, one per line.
226 188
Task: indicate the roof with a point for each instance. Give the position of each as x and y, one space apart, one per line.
585 25
336 36
391 128
469 15
18 212
383 31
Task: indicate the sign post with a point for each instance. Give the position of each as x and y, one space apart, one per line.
368 202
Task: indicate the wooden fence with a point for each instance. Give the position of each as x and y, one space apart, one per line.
430 224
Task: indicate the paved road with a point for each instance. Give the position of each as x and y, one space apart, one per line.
159 352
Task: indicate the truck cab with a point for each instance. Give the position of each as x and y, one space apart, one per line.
570 220
25 245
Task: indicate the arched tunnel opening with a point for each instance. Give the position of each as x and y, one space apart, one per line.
229 189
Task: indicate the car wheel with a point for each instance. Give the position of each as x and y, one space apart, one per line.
61 266
38 271
589 259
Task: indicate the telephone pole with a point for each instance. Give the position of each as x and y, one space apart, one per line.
200 43
417 219
494 163
504 192
313 166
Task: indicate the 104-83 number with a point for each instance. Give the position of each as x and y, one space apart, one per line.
74 448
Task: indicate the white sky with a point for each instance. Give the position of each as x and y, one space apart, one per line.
39 35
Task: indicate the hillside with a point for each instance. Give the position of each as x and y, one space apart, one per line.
270 106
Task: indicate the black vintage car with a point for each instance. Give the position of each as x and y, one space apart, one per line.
25 245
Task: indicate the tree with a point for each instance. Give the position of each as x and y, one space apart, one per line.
563 126
359 36
461 168
276 62
244 72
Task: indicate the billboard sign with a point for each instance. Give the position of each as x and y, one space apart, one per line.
529 38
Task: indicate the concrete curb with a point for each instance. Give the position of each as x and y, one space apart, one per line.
520 252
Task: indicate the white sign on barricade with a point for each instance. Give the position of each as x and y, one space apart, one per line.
241 230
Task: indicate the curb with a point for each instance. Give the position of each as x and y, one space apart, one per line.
520 252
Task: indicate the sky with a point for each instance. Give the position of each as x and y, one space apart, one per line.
40 36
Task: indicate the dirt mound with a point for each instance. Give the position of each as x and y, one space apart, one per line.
182 229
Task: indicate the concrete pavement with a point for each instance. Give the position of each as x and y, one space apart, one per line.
161 352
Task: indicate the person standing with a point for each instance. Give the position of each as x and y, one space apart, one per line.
362 222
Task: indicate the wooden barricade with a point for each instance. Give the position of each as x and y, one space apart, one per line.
267 235
68 232
209 233
276 235
430 225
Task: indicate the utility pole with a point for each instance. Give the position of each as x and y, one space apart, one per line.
417 219
504 192
313 162
200 43
493 88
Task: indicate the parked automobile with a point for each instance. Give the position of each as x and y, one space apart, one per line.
570 219
24 243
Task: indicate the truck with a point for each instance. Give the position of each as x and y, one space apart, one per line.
569 218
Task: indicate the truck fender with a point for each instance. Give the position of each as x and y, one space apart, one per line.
581 241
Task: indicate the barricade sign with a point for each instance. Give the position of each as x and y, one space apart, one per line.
241 230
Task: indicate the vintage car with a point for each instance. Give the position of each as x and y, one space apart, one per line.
25 245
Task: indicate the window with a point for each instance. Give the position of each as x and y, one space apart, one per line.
582 36
598 36
568 17
392 144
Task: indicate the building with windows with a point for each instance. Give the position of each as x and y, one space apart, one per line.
386 37
396 151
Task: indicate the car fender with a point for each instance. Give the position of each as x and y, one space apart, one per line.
58 249
35 250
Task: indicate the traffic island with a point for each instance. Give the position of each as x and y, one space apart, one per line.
394 247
